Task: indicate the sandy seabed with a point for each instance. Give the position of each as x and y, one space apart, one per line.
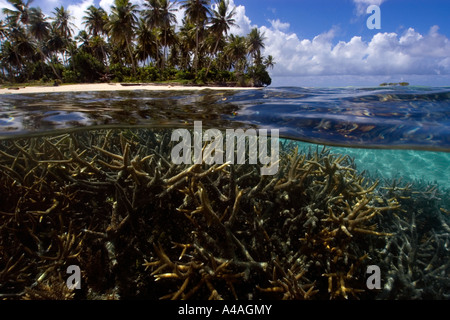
111 87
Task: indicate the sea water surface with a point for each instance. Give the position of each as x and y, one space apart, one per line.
86 180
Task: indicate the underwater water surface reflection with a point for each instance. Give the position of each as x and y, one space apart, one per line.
407 118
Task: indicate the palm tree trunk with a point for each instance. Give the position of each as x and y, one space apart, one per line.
196 51
210 62
54 70
104 61
131 56
18 64
158 59
164 52
51 63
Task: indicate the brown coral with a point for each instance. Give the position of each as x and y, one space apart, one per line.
112 202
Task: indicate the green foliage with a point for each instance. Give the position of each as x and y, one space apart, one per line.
69 76
242 79
169 74
201 76
260 76
87 67
403 84
37 70
185 75
112 46
148 73
225 76
119 72
215 75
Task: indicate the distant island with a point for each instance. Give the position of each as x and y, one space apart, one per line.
131 44
403 84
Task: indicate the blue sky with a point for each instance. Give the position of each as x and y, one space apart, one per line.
309 18
327 42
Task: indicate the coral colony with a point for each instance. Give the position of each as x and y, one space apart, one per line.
214 153
136 224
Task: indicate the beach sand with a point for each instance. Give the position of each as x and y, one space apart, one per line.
111 87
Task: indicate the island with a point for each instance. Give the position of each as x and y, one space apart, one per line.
132 44
403 84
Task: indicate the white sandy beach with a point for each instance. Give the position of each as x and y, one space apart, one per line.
111 87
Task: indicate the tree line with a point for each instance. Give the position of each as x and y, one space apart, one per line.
131 44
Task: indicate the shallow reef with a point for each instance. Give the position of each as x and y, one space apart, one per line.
111 202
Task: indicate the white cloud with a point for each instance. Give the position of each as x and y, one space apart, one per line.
385 54
241 19
4 4
106 5
77 11
362 5
179 14
278 25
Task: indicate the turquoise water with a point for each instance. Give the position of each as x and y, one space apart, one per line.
410 165
363 179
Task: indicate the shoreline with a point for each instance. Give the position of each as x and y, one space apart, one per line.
115 87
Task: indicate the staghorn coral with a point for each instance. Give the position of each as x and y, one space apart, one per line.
53 288
112 202
416 259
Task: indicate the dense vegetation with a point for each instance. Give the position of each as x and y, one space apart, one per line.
131 44
403 84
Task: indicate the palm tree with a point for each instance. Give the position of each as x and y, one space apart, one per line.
21 46
269 62
186 43
2 64
55 44
167 18
221 21
83 39
122 24
10 60
98 48
160 14
28 36
236 51
152 16
197 12
64 27
95 21
2 30
146 42
21 12
174 58
255 42
39 27
19 42
62 22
